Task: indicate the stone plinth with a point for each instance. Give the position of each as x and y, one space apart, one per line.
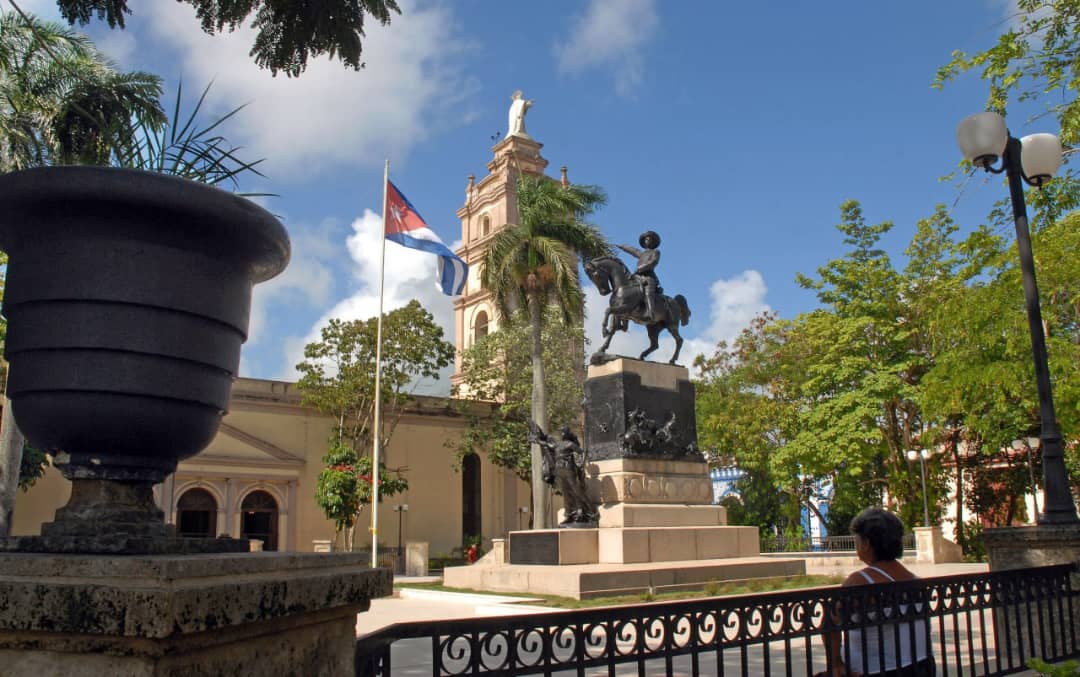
554 546
1023 547
583 581
933 548
633 515
223 614
673 544
631 545
650 480
618 387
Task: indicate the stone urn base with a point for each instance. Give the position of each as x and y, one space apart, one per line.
106 517
1037 546
251 614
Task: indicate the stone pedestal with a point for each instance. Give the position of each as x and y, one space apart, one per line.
554 546
222 614
1024 547
932 547
416 558
651 480
662 393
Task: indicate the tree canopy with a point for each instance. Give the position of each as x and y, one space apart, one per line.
932 355
63 102
337 377
289 32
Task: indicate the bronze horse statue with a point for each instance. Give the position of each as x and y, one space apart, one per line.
611 276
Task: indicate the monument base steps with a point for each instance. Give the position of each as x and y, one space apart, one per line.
631 545
587 581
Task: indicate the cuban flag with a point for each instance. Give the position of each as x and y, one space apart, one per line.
405 226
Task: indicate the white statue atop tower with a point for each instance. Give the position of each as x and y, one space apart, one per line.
516 120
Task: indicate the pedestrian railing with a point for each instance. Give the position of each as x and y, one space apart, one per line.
771 543
971 624
389 558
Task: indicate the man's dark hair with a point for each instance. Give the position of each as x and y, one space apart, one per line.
882 530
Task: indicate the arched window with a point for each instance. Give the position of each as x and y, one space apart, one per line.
260 518
470 496
196 514
485 225
480 325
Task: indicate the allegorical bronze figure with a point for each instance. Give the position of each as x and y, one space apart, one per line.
637 297
564 468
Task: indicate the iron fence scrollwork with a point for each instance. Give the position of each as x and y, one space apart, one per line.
970 624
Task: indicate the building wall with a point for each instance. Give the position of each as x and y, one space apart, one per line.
269 442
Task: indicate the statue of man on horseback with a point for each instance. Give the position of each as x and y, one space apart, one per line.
645 275
637 297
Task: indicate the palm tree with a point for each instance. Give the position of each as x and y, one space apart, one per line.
533 263
63 102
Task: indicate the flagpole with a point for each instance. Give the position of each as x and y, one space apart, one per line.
378 380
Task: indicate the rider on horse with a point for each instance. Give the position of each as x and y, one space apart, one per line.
644 274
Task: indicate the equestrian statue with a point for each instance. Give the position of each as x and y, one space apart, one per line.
637 297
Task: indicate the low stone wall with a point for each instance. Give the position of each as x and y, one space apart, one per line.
232 614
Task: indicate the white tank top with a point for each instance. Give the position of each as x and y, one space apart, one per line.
888 643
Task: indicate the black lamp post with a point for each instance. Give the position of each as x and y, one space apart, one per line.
400 509
1034 159
921 455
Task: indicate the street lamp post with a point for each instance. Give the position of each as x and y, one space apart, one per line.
983 138
400 509
921 456
1030 443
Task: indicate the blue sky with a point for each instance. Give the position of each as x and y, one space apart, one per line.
733 129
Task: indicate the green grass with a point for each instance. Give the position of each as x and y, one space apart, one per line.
711 589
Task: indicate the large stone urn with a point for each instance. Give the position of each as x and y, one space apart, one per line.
127 300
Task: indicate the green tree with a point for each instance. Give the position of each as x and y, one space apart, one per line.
337 377
1038 55
63 102
743 411
982 384
532 264
289 32
835 393
498 368
344 489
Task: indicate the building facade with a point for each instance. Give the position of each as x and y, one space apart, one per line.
257 478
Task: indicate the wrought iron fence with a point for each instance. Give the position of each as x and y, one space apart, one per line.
971 624
770 543
390 558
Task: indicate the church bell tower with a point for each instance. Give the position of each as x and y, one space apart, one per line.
490 204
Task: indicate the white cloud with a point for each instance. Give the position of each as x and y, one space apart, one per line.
610 34
410 274
308 279
330 116
734 303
